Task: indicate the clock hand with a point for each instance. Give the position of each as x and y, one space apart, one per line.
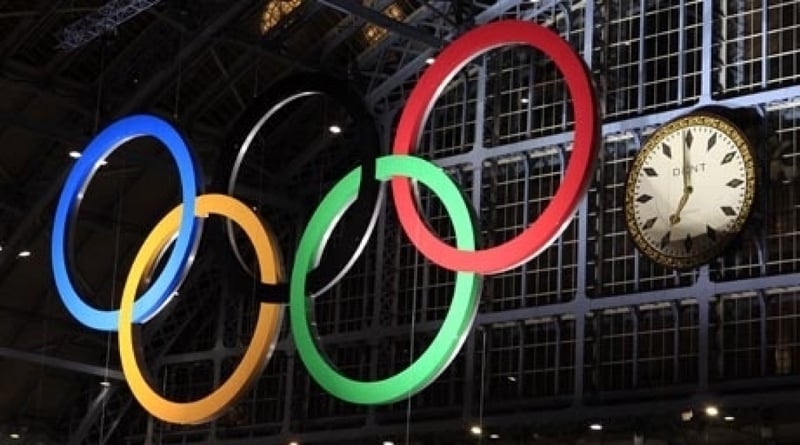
675 218
686 172
687 166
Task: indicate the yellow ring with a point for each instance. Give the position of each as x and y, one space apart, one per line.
264 336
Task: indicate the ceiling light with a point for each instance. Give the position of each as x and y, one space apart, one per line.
511 378
74 154
596 427
729 418
524 100
712 411
335 129
494 436
14 436
430 60
475 430
388 442
24 254
294 442
105 383
687 415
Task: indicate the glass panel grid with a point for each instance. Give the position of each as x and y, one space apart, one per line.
424 290
783 208
738 337
650 62
758 45
312 407
450 128
396 354
525 97
657 360
262 407
515 191
783 333
611 346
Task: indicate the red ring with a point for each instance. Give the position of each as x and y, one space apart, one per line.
558 213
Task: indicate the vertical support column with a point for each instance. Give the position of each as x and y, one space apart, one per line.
723 49
291 357
634 312
148 438
580 341
681 48
469 377
764 42
581 302
762 325
676 341
378 284
526 196
706 53
740 55
557 359
705 291
640 62
588 32
477 183
219 348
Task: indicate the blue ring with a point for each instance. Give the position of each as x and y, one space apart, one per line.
163 287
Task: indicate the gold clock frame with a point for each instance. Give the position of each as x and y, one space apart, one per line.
742 144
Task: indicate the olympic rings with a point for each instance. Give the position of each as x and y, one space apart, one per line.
361 189
163 287
457 322
558 213
264 336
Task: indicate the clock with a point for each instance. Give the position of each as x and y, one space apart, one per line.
690 190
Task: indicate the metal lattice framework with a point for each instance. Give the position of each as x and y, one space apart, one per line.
590 321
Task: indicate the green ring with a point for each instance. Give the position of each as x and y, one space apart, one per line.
456 324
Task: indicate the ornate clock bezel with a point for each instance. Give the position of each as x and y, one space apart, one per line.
742 144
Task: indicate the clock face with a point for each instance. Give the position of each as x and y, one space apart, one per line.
690 190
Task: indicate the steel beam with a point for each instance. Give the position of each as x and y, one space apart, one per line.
60 363
107 18
413 67
378 18
94 409
341 32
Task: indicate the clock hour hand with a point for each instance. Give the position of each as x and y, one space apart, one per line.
675 218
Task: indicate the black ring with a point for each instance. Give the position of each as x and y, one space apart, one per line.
336 261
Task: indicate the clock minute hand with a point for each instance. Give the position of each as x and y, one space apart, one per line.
687 165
